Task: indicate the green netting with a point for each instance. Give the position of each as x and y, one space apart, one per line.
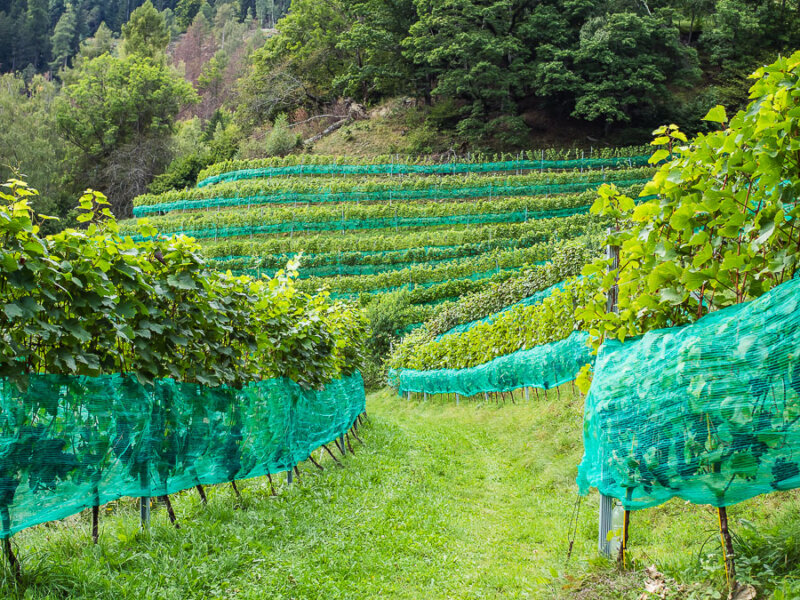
432 193
708 412
348 270
437 169
68 443
518 216
546 366
529 301
341 295
359 261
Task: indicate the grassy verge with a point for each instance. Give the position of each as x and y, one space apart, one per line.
443 501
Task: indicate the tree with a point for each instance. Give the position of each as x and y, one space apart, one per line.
298 66
736 34
29 144
101 43
185 12
118 115
146 33
64 38
377 66
624 62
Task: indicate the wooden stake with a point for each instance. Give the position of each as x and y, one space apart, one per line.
316 464
202 493
328 450
12 559
95 523
271 486
236 490
170 512
727 548
358 439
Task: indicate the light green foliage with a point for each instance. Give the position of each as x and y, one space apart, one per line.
354 215
567 261
297 67
724 229
355 248
29 144
280 139
272 190
421 274
318 164
90 302
102 42
118 115
516 329
146 33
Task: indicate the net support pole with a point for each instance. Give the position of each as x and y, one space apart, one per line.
457 398
527 394
289 476
606 508
144 512
606 502
341 443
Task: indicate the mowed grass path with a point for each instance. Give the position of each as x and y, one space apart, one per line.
443 501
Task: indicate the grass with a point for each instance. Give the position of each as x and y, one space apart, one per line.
443 501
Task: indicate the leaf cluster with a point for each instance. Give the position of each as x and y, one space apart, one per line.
723 229
89 302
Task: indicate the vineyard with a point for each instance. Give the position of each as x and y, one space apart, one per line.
230 331
684 334
406 238
132 369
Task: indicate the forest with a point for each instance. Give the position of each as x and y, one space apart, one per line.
134 98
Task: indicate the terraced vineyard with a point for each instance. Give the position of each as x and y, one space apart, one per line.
423 231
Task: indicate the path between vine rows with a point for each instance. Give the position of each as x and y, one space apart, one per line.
443 501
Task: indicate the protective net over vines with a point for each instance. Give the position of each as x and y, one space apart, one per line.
435 169
708 412
394 195
68 442
545 366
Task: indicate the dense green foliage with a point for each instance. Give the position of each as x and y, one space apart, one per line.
118 114
409 164
724 229
519 328
373 247
487 64
565 262
313 189
353 215
89 302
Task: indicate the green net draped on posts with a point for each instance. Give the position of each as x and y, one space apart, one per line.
518 216
68 443
546 366
708 412
436 169
431 193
